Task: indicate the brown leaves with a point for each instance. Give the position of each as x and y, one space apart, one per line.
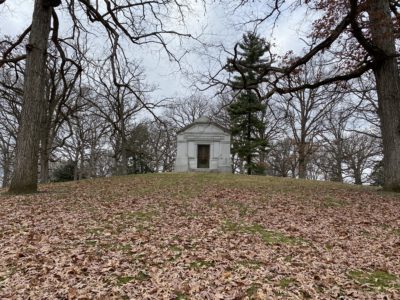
199 236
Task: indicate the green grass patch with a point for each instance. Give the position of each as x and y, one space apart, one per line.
243 209
251 263
288 258
329 246
332 202
126 248
177 252
252 290
268 236
142 276
180 296
141 215
121 280
381 280
91 243
201 264
286 282
231 226
175 248
139 258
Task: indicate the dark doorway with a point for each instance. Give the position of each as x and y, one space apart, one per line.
203 156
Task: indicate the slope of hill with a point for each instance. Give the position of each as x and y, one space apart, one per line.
200 236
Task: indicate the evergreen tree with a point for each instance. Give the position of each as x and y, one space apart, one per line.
64 172
247 107
376 176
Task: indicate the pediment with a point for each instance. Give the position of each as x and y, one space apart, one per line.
207 129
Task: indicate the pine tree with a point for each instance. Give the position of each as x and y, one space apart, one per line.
246 108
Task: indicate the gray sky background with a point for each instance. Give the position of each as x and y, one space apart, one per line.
217 24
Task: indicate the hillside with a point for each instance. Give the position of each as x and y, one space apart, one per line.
200 236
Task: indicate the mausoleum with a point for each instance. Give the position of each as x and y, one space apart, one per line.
203 146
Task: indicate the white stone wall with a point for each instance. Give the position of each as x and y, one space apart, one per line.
203 133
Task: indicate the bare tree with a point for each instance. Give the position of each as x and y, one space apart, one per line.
61 92
282 158
184 111
162 142
26 166
366 108
360 154
333 137
306 110
7 145
353 37
117 105
136 22
10 109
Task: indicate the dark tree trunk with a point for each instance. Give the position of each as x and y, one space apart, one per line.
357 177
124 154
124 160
339 160
388 89
76 162
293 172
25 175
82 164
338 172
44 164
302 140
44 150
302 160
6 170
92 160
248 157
76 170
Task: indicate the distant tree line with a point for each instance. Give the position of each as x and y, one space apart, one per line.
332 113
329 132
93 128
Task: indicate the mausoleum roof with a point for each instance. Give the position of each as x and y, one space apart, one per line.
204 120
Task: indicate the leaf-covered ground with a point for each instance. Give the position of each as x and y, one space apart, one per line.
200 236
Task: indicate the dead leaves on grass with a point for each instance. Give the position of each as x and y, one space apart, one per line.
199 237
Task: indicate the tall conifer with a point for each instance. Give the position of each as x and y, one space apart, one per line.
246 108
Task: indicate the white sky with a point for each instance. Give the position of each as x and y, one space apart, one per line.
218 25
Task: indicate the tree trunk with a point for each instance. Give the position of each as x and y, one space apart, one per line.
76 161
248 157
248 163
76 170
92 160
124 155
44 164
339 161
303 136
293 173
25 175
302 161
6 170
82 164
388 89
44 149
338 171
357 177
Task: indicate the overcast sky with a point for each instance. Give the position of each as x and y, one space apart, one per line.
215 23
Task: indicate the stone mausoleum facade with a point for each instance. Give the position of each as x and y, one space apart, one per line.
203 146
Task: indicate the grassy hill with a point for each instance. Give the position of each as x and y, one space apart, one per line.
200 236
